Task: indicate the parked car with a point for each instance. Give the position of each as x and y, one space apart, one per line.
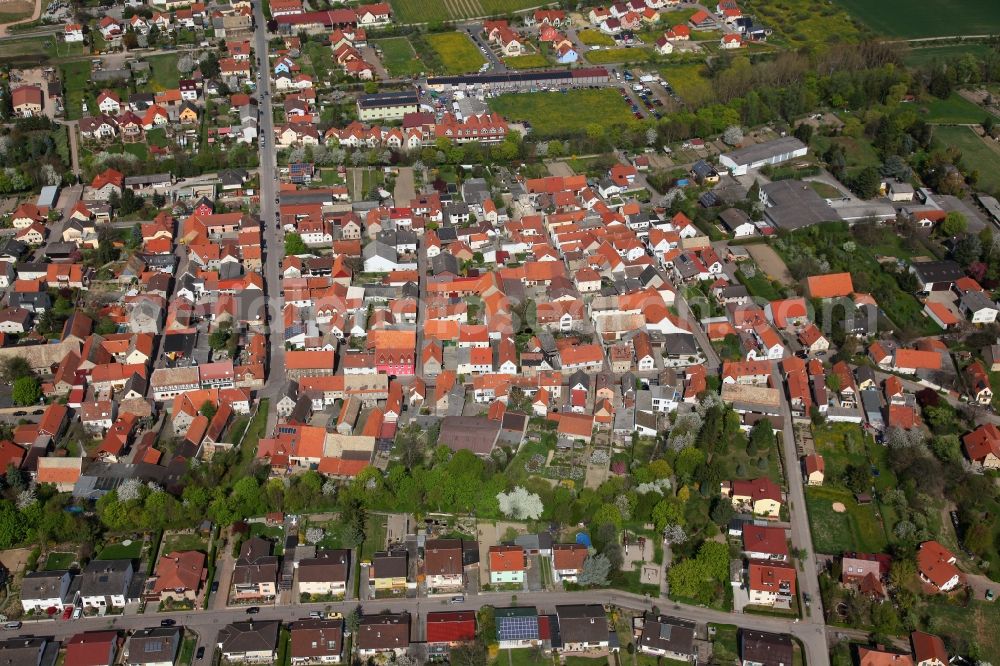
12 625
253 610
167 623
200 653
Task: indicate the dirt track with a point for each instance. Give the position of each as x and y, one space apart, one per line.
770 263
34 17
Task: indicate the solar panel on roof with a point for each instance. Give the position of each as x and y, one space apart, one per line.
518 628
154 646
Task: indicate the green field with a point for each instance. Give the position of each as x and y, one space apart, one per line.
557 114
976 155
925 55
804 22
530 61
37 50
595 38
956 110
457 52
75 76
858 152
163 72
399 57
689 82
926 18
857 529
431 11
610 56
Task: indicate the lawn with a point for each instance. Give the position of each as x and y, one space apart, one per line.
163 72
725 648
610 56
976 155
927 18
956 110
398 56
75 76
925 55
321 60
121 551
759 286
858 152
375 535
561 114
585 661
457 52
34 50
857 529
975 624
59 561
187 650
522 657
595 38
530 61
689 82
181 542
825 190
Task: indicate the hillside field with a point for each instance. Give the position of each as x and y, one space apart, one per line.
926 18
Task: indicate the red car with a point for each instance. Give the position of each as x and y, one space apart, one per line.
67 612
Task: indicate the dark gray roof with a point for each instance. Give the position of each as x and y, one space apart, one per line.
763 647
672 634
106 578
155 645
936 271
250 636
793 204
580 623
405 97
766 150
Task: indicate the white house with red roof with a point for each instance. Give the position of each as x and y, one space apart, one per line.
73 32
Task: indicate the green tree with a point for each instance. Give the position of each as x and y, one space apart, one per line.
978 537
294 245
954 223
208 409
15 367
26 391
607 514
688 461
866 183
668 511
12 526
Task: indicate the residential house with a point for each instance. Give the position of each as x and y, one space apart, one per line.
507 565
105 583
250 642
936 566
385 635
665 636
316 641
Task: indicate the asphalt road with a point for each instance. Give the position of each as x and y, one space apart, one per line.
808 578
208 624
273 239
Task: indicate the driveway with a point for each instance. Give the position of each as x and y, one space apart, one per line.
405 189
